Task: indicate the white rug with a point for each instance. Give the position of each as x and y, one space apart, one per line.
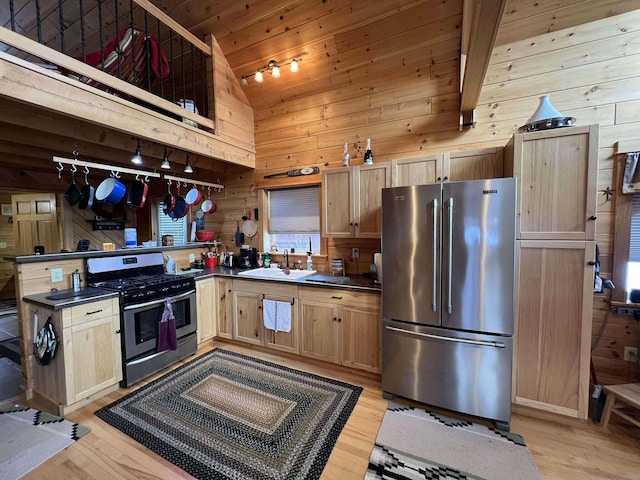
30 437
417 444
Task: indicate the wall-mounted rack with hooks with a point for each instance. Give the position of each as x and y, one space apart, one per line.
192 182
99 166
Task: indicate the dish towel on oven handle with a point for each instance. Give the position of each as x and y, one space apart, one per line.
167 329
277 315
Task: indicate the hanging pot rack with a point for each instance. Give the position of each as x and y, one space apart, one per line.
194 182
99 166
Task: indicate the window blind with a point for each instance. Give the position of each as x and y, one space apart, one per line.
294 210
167 226
634 247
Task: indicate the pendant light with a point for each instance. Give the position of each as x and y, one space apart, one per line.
165 160
137 158
187 167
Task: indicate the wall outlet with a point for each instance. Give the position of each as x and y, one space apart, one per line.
630 354
56 275
192 257
355 252
3 244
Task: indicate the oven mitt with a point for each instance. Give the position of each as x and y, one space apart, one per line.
167 339
46 343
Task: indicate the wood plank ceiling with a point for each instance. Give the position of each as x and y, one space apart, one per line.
339 42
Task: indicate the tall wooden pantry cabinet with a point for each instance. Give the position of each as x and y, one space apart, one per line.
556 171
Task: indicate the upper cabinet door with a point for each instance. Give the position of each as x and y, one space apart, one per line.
336 203
419 171
557 175
368 182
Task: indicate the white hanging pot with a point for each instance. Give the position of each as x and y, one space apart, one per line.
546 117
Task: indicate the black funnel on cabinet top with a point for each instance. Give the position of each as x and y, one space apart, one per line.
546 117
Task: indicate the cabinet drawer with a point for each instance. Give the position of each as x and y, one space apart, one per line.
88 312
340 297
266 288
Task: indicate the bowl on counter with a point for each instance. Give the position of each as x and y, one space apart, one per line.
204 235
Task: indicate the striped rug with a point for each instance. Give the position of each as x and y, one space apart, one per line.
227 415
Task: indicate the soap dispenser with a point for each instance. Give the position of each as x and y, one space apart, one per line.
171 265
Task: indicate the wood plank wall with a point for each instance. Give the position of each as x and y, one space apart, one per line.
408 106
7 286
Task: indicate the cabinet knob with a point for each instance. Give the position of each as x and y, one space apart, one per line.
336 297
339 320
592 263
259 307
356 224
592 217
351 224
117 331
446 178
335 319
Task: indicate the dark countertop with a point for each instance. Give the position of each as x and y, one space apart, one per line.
68 298
354 283
103 253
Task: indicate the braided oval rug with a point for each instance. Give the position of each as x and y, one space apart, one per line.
228 415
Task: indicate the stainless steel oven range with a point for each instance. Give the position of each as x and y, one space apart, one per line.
144 290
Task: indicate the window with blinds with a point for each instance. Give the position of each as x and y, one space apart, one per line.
294 219
633 272
167 226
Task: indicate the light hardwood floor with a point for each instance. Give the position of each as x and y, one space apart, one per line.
562 450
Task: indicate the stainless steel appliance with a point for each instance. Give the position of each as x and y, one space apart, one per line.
448 253
144 289
248 257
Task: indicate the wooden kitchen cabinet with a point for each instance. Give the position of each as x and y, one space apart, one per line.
89 359
206 309
341 326
248 320
224 317
553 328
420 170
557 175
555 228
352 201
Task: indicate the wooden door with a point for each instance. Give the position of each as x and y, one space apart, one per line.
224 318
35 222
284 341
93 361
418 171
247 317
206 310
476 164
336 203
553 326
557 175
368 184
360 335
318 330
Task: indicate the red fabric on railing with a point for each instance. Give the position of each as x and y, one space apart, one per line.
158 60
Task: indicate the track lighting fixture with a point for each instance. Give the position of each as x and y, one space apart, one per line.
137 158
187 167
165 160
273 67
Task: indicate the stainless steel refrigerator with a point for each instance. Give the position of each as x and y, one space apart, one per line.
448 255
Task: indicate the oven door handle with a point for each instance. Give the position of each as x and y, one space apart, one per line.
162 300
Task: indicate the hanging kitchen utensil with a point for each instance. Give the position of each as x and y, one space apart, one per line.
295 173
73 193
193 196
87 192
137 194
239 235
169 201
250 227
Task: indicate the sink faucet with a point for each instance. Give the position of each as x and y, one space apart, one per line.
286 258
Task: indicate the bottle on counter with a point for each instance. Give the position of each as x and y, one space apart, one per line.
368 156
75 277
267 260
309 261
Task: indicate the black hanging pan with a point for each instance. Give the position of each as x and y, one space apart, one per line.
87 192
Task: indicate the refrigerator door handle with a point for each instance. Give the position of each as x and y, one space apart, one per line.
450 269
434 297
448 339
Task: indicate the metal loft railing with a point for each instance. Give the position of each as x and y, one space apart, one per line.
131 40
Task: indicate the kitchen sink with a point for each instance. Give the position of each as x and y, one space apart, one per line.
276 274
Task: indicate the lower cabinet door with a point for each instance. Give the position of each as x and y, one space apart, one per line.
319 331
360 338
92 357
224 317
247 317
281 340
205 295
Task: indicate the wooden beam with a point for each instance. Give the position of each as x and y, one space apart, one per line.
627 146
64 61
34 85
175 26
487 15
